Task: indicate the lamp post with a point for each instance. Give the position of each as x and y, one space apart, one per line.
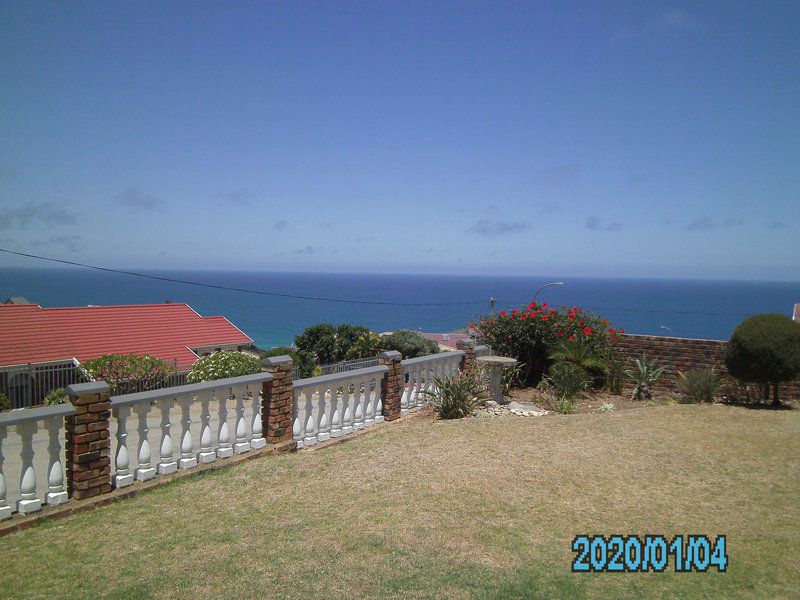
546 285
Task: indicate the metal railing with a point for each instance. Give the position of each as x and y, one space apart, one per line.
27 385
341 367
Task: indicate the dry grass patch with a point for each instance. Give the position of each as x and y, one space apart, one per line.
472 508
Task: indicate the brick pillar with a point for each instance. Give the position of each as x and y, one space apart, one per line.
88 442
468 360
392 384
277 403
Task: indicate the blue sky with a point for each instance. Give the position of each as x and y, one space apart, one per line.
585 138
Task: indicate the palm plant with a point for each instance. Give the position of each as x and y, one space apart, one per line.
643 376
369 344
583 356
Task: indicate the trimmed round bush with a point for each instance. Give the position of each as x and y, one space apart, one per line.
765 349
221 365
410 344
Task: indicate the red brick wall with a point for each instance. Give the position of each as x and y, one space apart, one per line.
681 354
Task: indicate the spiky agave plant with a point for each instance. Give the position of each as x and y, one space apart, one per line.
644 374
456 397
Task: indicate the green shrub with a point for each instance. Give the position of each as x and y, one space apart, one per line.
511 377
410 344
644 374
699 385
278 351
567 380
223 364
329 343
456 397
533 334
4 402
127 373
564 406
606 407
56 396
765 349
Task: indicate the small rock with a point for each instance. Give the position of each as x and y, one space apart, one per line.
525 413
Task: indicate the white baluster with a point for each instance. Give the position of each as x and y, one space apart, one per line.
310 435
167 464
188 459
257 440
415 385
323 427
144 469
56 493
298 427
347 409
242 445
28 502
122 462
369 404
5 509
206 454
358 399
224 449
378 403
336 412
405 391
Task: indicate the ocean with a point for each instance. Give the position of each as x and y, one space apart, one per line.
682 308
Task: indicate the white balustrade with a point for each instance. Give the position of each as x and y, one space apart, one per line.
191 399
331 406
419 375
26 425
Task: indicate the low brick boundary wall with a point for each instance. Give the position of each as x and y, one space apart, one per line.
684 354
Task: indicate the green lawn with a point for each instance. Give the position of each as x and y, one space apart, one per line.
473 508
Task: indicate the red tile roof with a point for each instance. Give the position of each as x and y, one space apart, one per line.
30 333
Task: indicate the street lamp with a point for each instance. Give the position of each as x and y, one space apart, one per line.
546 285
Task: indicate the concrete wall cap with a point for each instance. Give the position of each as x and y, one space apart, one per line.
390 355
275 361
463 344
14 417
76 390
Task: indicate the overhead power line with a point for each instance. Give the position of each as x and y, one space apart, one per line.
233 289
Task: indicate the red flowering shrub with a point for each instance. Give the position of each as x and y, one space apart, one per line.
532 334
